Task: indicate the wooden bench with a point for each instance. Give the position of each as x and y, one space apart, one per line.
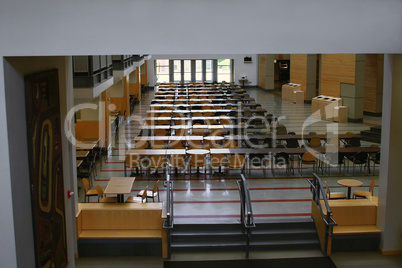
356 229
107 223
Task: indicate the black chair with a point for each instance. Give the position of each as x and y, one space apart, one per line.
292 143
376 161
268 143
360 158
101 153
281 159
199 121
334 159
253 143
86 173
353 142
90 160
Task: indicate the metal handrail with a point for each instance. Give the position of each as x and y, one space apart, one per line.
246 210
317 189
169 222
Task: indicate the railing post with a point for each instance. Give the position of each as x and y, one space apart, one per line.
168 223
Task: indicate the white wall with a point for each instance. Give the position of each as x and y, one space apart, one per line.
390 216
240 68
19 67
74 27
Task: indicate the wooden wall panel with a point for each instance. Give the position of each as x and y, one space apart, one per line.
86 129
106 121
135 88
370 84
123 104
337 69
373 83
144 73
261 70
298 70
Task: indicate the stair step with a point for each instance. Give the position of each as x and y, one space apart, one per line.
376 129
368 135
284 242
207 233
291 234
274 244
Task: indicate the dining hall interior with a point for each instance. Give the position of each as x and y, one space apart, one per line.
250 129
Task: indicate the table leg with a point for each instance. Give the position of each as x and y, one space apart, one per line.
349 192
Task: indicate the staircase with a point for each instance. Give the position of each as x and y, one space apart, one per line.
372 135
300 234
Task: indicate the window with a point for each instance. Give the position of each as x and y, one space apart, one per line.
198 71
177 71
193 70
208 71
162 71
187 70
224 70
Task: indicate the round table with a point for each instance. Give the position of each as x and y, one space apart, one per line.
350 183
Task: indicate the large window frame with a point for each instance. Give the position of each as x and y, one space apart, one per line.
194 70
162 71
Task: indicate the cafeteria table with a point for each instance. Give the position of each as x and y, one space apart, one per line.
119 186
350 183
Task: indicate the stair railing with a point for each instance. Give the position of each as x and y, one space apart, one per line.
168 223
246 211
318 193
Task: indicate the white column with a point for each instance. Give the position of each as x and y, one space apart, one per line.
7 240
389 217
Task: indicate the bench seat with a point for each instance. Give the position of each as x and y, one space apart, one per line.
356 229
121 229
120 234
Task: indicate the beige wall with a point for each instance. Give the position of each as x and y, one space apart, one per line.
266 70
298 70
336 69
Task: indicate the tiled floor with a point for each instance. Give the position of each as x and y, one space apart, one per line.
216 198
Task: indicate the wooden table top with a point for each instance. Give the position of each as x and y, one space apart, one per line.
289 136
214 138
168 138
350 183
81 154
90 140
147 151
209 126
155 127
151 138
79 162
186 138
175 151
85 146
197 151
119 185
122 180
180 127
349 150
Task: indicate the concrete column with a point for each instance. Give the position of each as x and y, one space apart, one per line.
353 94
269 71
311 76
389 217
